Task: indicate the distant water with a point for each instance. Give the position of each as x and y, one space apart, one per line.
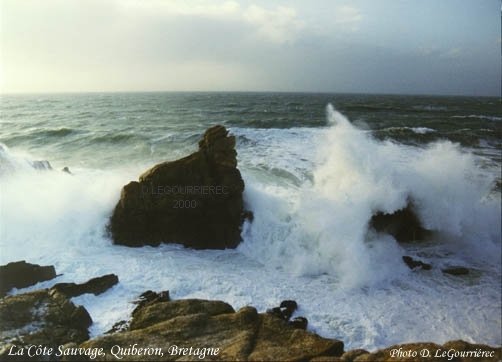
314 175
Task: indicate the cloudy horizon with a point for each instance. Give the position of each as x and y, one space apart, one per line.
452 47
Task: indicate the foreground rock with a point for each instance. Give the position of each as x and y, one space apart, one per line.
195 201
403 225
164 330
43 317
21 274
95 286
213 328
458 351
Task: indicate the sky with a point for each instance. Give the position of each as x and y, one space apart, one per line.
363 46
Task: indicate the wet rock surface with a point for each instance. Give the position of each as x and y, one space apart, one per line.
403 225
413 264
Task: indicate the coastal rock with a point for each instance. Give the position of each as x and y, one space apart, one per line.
159 312
149 297
43 317
403 225
195 201
456 270
95 286
21 274
285 309
245 335
459 351
299 323
66 169
412 263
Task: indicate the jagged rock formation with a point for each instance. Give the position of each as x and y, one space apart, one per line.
202 324
165 330
43 317
195 201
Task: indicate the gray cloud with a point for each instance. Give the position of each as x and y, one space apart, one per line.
208 45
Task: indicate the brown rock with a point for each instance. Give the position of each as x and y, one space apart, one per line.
159 312
351 355
21 274
460 351
41 317
239 336
195 201
95 286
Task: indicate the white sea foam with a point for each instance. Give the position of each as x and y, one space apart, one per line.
323 228
480 116
309 240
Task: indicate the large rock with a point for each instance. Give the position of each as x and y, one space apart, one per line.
458 351
43 317
21 274
195 201
403 225
177 328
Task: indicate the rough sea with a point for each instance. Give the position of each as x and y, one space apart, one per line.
316 168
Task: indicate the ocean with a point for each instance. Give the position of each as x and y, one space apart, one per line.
316 168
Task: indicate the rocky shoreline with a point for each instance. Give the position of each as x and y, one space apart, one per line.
45 325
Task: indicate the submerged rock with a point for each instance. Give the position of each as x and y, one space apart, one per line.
412 263
43 317
403 225
21 274
195 201
66 169
214 328
459 351
95 286
456 270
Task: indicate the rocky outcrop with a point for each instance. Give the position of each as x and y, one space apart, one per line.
195 201
412 263
21 274
43 317
95 286
245 335
403 225
164 330
459 351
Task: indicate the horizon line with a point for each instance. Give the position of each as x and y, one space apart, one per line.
20 93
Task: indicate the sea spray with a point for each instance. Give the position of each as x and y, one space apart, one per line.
323 226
